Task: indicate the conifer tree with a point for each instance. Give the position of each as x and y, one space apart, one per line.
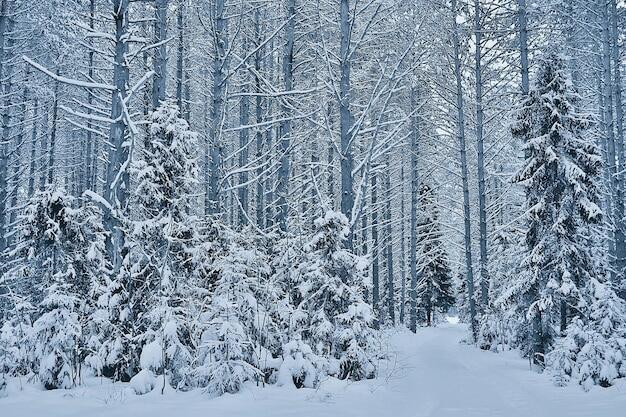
436 293
58 255
233 322
559 175
161 241
338 320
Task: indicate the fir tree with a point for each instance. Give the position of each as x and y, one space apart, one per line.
436 293
233 323
162 238
338 320
58 256
559 176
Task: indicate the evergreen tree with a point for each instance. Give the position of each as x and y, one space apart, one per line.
56 335
234 322
58 255
593 350
559 175
338 320
161 241
435 292
500 323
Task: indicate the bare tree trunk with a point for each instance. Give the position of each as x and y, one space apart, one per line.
160 53
375 247
414 190
53 133
619 140
617 199
43 150
216 147
345 117
523 40
285 126
180 56
391 292
466 200
33 150
402 245
6 124
89 181
482 197
244 139
117 182
258 110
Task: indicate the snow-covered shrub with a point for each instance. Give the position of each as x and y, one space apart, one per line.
15 334
300 367
3 385
144 382
227 349
339 322
593 351
356 339
489 332
55 339
56 259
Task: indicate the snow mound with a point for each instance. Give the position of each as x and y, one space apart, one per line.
143 382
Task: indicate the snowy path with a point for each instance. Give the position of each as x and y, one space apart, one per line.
432 376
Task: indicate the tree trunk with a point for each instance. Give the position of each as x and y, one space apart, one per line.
117 183
375 246
414 202
180 56
160 53
33 150
402 244
466 200
285 126
619 142
391 293
244 139
212 203
482 197
345 117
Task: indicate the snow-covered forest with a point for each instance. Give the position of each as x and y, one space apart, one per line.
204 199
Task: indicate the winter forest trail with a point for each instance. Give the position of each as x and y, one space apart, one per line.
430 375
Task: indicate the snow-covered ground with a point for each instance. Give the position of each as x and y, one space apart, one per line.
431 375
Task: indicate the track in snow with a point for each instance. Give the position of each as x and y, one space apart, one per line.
431 375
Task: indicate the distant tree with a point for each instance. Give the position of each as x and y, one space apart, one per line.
435 291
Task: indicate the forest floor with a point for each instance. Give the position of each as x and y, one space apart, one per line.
430 374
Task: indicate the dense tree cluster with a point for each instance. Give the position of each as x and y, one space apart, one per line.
199 194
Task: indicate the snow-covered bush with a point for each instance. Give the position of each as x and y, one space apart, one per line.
227 349
56 258
144 382
14 336
55 338
300 367
356 340
339 323
593 351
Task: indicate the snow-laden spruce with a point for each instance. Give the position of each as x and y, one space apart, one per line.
160 237
434 291
571 318
337 322
57 256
